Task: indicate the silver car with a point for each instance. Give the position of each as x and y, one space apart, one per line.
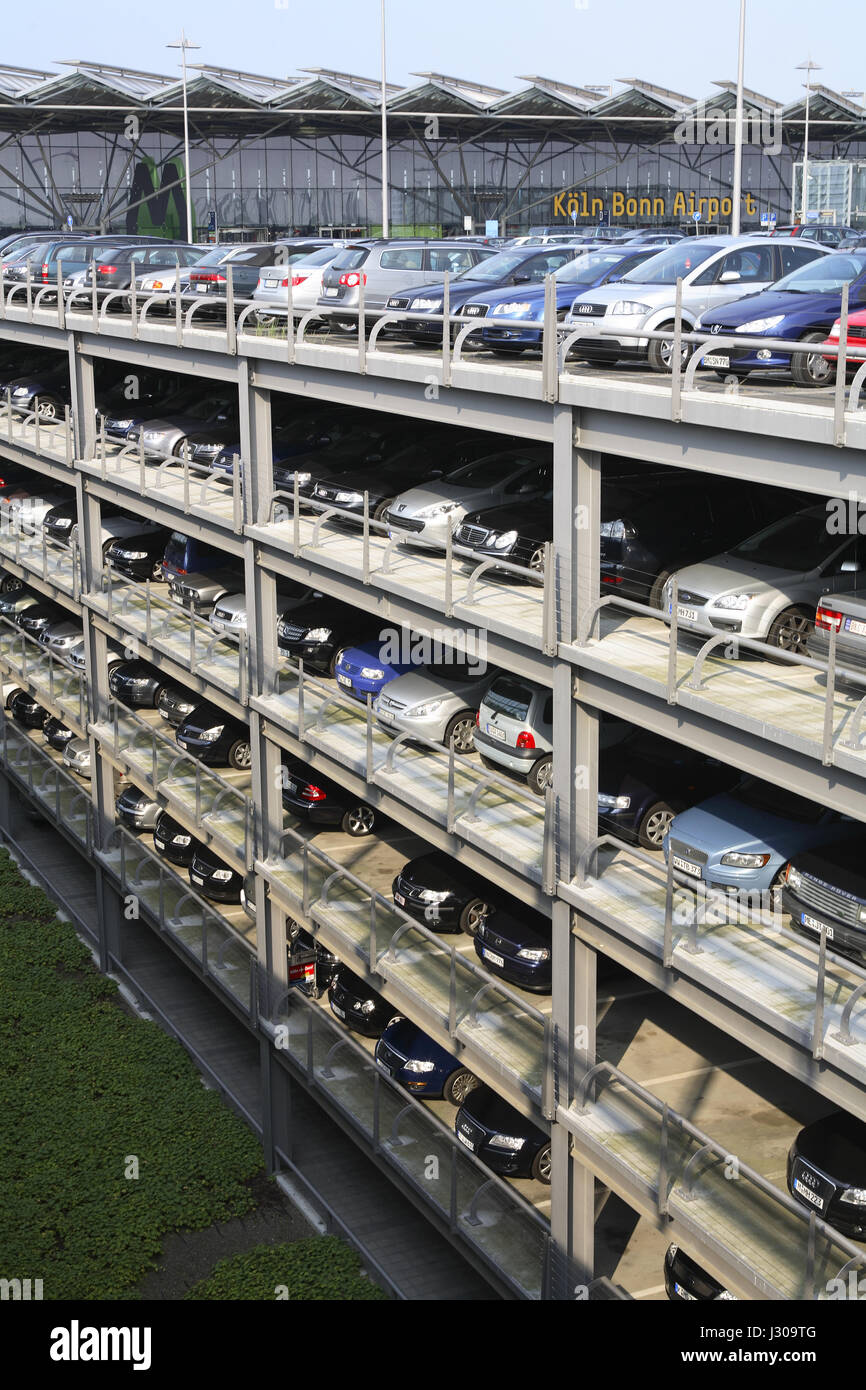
229 615
437 702
714 270
197 593
425 515
387 267
306 277
160 438
61 637
768 586
76 756
515 730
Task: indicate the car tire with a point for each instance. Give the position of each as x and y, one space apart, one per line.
658 348
358 821
811 369
9 583
775 889
461 729
380 511
790 630
540 775
156 695
459 1085
472 914
332 664
535 563
540 1169
656 597
655 824
240 755
47 408
156 573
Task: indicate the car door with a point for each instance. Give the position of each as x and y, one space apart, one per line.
742 270
399 268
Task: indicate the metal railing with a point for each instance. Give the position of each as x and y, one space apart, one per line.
202 483
27 658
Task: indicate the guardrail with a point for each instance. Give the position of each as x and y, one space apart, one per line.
27 657
207 481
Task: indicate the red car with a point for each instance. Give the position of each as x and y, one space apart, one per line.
856 342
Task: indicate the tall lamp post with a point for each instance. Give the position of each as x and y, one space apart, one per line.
738 131
183 45
384 134
808 67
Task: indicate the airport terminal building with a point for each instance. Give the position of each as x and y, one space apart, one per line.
103 146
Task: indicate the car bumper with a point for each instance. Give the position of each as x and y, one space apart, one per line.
316 812
847 655
216 892
535 976
132 569
519 760
431 727
314 654
512 335
358 686
133 820
748 358
506 1162
204 752
841 936
181 855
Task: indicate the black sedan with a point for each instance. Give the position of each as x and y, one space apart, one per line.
35 620
517 532
312 797
215 737
827 1171
46 392
368 442
176 704
57 735
136 683
686 1282
445 896
501 1137
644 780
358 1005
26 710
315 632
172 842
139 557
213 878
517 946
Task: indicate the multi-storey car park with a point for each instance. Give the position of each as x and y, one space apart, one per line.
678 1053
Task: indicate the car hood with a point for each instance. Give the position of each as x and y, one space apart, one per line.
187 423
836 1145
652 295
770 302
724 573
536 517
417 498
416 687
840 865
726 823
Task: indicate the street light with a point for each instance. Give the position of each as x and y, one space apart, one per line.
384 134
808 67
183 45
738 132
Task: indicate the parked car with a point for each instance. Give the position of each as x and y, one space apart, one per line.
443 894
501 1137
245 267
305 273
57 735
516 944
61 636
14 602
76 756
801 307
321 801
128 262
300 946
139 556
406 1054
137 810
213 878
116 527
518 532
26 709
370 440
358 1005
197 593
743 838
59 523
826 887
173 842
316 632
369 668
686 1282
229 614
390 268
164 280
643 781
438 701
164 436
214 737
35 619
426 514
137 684
185 555
514 730
176 704
124 418
44 392
76 656
714 270
844 613
29 510
768 586
826 1171
825 235
855 340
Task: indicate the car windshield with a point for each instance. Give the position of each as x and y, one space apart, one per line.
801 542
320 257
825 274
456 670
489 471
777 801
585 270
672 263
494 268
351 258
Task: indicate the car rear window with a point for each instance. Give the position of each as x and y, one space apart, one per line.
175 549
352 258
510 697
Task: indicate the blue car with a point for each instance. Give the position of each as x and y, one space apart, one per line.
421 1065
802 306
519 265
744 838
514 321
361 671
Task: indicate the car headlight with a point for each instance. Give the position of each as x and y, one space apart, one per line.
182 840
426 305
532 953
613 530
368 1006
135 555
21 391
372 673
760 325
735 601
617 803
222 875
301 478
793 877
440 509
208 448
419 1066
122 424
421 711
349 497
515 308
318 634
629 306
431 896
745 861
861 914
854 1196
152 435
211 735
504 541
506 1141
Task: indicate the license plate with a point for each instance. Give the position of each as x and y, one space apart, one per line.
810 1196
160 844
685 867
344 680
683 1293
463 1140
496 733
815 925
201 289
271 284
197 878
686 615
493 957
854 625
291 786
717 359
399 900
341 1013
386 715
330 291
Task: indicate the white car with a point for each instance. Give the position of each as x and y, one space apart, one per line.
306 276
424 515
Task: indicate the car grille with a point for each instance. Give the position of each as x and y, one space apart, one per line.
291 632
472 535
474 311
827 899
398 303
388 702
688 596
473 1132
409 890
225 616
494 940
388 1057
588 310
697 856
185 592
405 523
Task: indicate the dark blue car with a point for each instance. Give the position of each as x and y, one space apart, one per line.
365 669
515 266
802 307
409 1056
513 321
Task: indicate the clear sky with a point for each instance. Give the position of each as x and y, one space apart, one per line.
681 44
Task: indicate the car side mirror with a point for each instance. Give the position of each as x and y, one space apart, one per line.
850 566
729 277
520 279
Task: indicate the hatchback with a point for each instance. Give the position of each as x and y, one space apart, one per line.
438 701
427 514
389 268
514 730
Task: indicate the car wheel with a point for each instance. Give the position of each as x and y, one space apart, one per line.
459 1085
11 696
358 820
45 408
656 597
776 890
541 775
810 368
460 732
156 572
381 511
182 449
541 1165
790 630
241 755
473 915
156 694
655 825
332 664
536 560
9 582
660 352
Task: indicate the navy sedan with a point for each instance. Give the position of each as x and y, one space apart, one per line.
801 307
409 1056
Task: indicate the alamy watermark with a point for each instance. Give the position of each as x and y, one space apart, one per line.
712 126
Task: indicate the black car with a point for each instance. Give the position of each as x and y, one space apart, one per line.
826 887
321 801
172 842
36 619
213 878
300 947
44 391
358 1005
57 735
517 532
139 557
686 1282
316 632
644 780
176 704
136 683
121 415
517 946
26 710
369 441
136 809
213 736
827 1171
501 1137
438 891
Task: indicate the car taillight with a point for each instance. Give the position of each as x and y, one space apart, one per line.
611 579
106 269
213 277
297 279
828 618
312 793
45 269
478 719
352 278
525 740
